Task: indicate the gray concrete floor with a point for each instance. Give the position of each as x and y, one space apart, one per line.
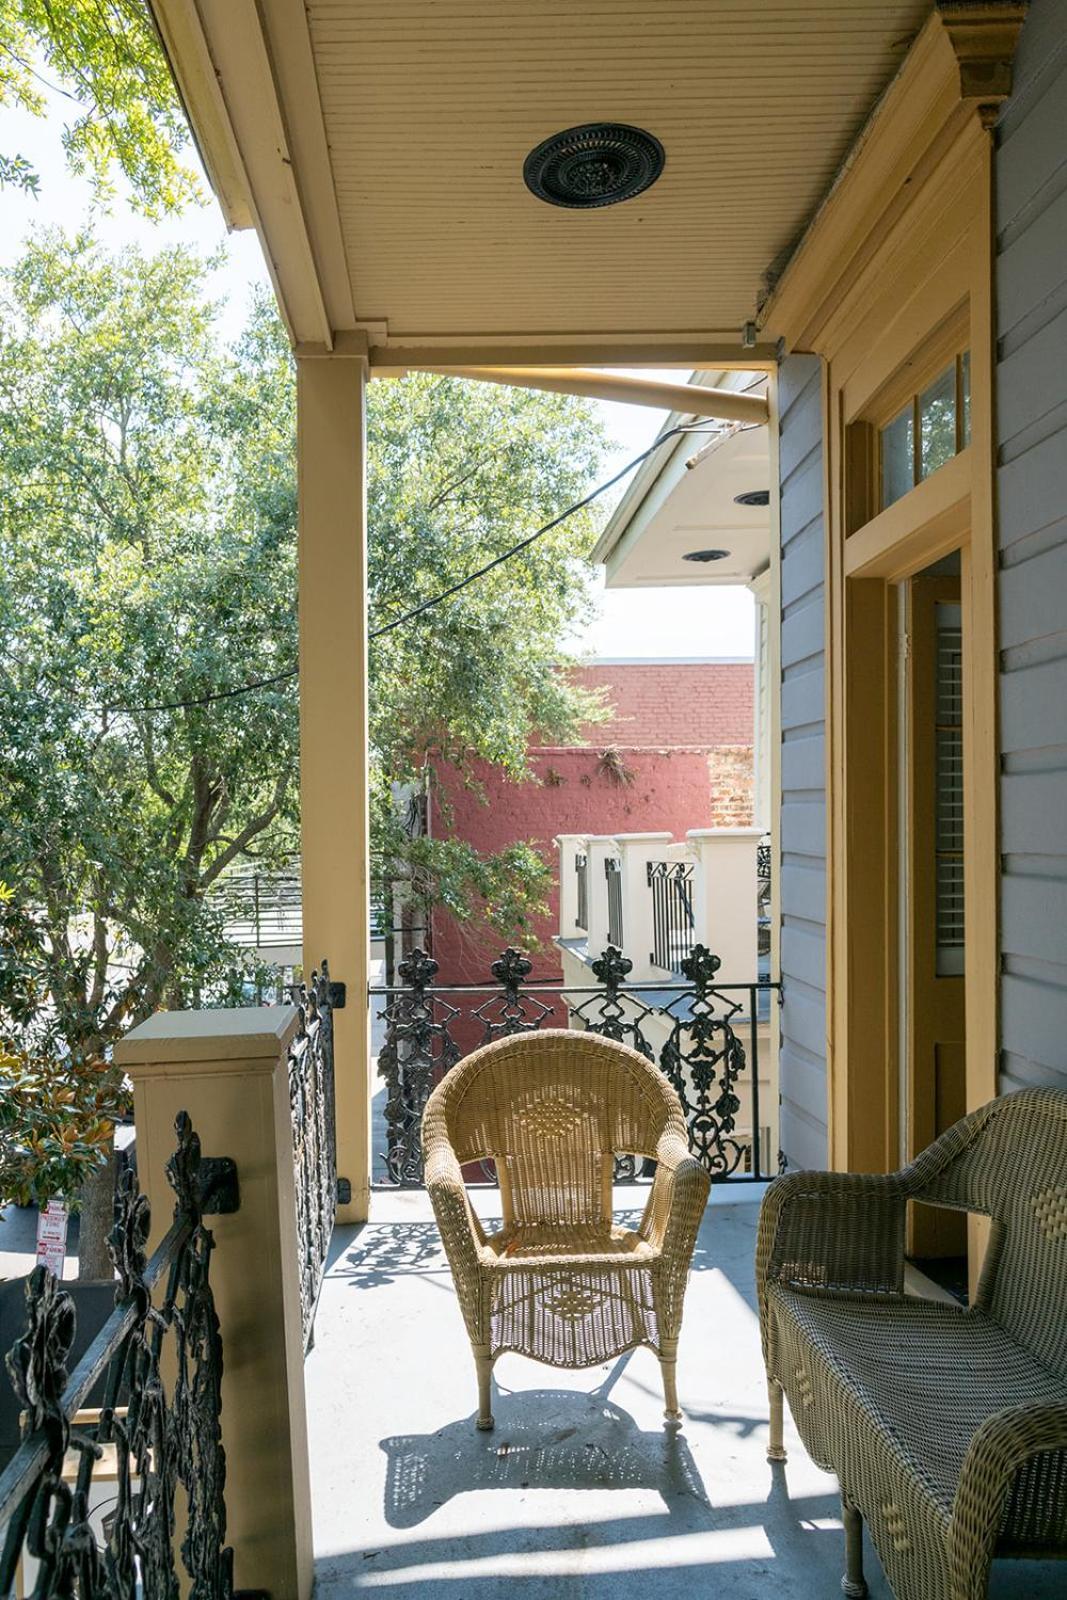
580 1493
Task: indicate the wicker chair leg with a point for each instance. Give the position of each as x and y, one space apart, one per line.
668 1361
853 1583
776 1442
484 1363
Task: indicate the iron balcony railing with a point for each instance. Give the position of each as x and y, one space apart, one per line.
704 1035
312 1102
581 871
671 886
763 896
90 1503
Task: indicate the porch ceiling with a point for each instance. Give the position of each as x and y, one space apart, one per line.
378 146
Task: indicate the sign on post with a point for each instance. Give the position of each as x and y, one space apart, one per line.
52 1222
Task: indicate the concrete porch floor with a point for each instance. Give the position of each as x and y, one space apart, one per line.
580 1492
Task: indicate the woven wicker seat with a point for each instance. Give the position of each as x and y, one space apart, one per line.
559 1281
946 1426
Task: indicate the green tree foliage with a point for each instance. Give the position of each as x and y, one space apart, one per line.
104 56
135 574
148 543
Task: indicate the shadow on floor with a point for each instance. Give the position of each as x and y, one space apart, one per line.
544 1439
743 1551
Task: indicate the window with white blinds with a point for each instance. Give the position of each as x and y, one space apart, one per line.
948 748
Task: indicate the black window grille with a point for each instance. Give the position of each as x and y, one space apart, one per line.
671 883
581 871
613 873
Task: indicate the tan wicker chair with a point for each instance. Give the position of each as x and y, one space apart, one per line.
946 1426
560 1282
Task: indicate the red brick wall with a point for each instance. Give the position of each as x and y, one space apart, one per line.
672 704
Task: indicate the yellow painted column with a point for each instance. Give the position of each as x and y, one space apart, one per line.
229 1071
331 464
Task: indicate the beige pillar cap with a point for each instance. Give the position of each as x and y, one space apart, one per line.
244 1033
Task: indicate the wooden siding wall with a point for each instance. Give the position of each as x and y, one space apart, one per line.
802 1066
1031 301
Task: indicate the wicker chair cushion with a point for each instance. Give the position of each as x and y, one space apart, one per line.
544 1243
922 1412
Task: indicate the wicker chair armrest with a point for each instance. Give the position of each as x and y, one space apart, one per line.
461 1233
680 1185
994 1481
833 1230
670 1224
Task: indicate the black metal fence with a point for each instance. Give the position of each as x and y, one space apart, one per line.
705 1037
581 870
312 1100
671 887
613 874
88 1502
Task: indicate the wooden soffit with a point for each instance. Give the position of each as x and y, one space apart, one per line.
957 73
377 147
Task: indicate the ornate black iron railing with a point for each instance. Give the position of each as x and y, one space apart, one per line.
153 1378
671 886
704 1035
763 897
313 1104
581 870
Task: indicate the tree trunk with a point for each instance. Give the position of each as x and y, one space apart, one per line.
97 1208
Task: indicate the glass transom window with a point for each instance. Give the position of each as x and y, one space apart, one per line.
933 427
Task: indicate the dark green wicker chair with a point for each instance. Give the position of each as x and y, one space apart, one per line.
946 1425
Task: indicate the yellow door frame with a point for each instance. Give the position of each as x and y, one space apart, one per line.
893 278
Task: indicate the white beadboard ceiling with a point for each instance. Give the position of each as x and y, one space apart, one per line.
430 107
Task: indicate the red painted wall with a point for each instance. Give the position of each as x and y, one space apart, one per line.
683 731
670 790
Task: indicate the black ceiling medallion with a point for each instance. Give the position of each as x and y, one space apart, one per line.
598 164
754 497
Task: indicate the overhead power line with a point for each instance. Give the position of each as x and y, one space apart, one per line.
445 594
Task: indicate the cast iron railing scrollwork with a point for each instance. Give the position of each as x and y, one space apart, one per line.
417 1048
763 896
153 1379
704 1035
705 1060
312 1101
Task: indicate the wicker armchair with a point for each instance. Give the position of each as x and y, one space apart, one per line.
946 1426
560 1282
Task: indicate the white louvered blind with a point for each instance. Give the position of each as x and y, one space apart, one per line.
948 747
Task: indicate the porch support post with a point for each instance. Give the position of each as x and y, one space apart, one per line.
331 469
229 1070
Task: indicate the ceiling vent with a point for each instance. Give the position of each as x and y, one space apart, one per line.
706 555
597 164
753 497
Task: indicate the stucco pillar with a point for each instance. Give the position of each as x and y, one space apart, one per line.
724 898
636 850
598 849
229 1071
569 846
331 460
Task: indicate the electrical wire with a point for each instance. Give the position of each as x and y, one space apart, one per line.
445 594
